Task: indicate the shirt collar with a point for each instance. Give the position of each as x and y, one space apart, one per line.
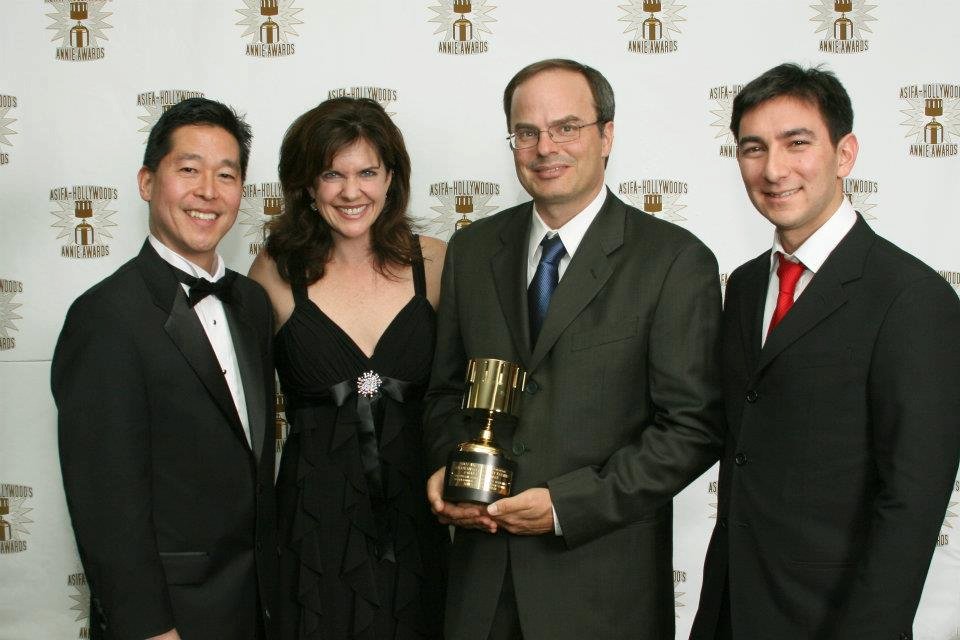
176 260
818 247
571 234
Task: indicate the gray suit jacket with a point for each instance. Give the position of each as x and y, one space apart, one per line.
621 411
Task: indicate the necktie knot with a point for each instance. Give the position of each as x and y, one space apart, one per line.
200 288
553 250
788 274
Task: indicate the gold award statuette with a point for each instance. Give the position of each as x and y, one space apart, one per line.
478 471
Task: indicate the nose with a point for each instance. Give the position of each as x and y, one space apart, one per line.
206 186
545 144
351 188
775 166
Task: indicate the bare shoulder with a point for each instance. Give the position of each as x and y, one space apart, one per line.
264 272
434 250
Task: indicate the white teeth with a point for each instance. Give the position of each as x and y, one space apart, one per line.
199 215
352 211
782 194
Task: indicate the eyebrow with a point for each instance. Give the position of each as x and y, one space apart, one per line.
789 133
563 120
233 164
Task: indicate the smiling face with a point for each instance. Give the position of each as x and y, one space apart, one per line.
195 192
351 192
561 178
792 171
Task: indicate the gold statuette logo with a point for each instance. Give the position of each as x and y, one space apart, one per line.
861 192
155 103
80 28
933 119
8 312
461 202
844 24
653 24
14 518
261 204
659 197
269 26
463 24
83 215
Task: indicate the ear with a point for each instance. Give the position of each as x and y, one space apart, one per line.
847 148
606 139
145 183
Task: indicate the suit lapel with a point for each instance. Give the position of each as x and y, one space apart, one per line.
751 307
509 267
245 346
184 328
824 294
586 274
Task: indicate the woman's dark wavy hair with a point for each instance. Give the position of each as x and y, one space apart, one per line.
300 241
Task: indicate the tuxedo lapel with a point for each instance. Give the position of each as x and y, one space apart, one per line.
251 374
586 274
184 328
824 294
509 267
757 276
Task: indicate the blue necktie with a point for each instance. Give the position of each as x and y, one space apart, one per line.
544 282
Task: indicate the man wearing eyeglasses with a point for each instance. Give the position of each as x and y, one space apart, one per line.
614 314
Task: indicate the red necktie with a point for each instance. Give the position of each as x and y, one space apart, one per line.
788 273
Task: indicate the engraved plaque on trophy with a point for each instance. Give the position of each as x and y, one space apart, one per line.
479 471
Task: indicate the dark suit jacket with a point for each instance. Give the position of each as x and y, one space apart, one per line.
620 412
843 443
173 512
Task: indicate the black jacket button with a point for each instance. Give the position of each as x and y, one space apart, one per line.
752 396
740 459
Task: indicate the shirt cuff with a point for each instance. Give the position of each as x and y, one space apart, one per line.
557 531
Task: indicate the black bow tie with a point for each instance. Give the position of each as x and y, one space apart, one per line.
200 288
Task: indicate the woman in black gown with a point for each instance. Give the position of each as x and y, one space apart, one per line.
354 292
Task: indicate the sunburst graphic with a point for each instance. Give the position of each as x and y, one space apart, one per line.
154 111
252 217
67 222
5 129
18 519
286 19
446 221
479 17
96 22
671 206
950 514
677 602
861 203
724 112
81 595
8 314
917 118
860 16
669 16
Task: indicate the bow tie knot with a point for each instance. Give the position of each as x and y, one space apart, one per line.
200 288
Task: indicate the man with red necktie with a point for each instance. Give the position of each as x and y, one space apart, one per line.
840 364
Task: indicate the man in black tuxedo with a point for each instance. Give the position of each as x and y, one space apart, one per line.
840 364
163 379
622 404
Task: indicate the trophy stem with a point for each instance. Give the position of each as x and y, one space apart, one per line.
486 436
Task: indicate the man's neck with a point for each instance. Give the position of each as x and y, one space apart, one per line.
555 216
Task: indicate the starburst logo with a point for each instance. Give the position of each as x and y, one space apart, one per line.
79 27
657 196
461 202
80 597
14 518
652 23
844 24
679 578
952 508
713 485
269 25
155 103
953 277
261 203
8 312
860 193
933 119
463 23
83 216
721 98
6 103
383 95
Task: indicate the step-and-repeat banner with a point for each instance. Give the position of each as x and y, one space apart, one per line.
81 83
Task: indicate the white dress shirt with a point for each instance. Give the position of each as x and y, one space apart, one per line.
214 320
812 253
571 234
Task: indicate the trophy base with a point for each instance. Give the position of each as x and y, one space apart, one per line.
478 477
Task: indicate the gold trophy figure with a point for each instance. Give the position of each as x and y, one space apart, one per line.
280 422
83 232
79 35
652 203
271 207
478 471
269 30
462 28
6 531
842 26
464 205
652 27
933 131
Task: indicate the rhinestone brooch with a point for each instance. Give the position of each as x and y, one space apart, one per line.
368 384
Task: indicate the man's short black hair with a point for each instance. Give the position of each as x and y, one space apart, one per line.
194 111
815 85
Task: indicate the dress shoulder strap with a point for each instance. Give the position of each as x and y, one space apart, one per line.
419 275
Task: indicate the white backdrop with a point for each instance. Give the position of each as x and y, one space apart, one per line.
81 85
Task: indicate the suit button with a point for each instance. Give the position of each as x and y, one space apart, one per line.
519 448
752 396
740 459
532 387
